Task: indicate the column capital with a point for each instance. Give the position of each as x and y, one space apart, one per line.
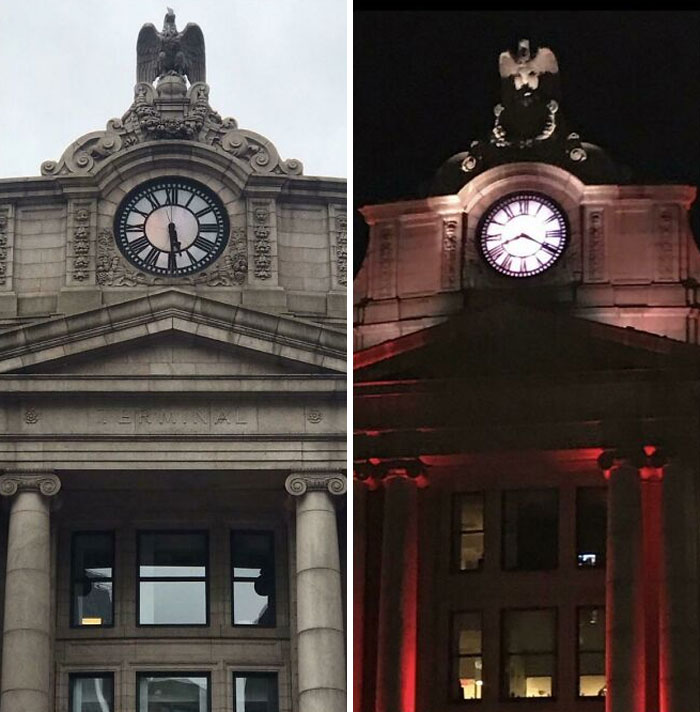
648 460
379 473
298 483
43 481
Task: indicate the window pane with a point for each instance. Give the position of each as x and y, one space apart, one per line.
530 529
91 694
173 555
471 512
253 565
173 603
468 521
466 682
92 569
591 629
471 554
467 633
530 663
255 692
591 526
469 678
591 652
173 693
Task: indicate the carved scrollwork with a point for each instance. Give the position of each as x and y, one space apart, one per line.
81 244
299 483
44 482
341 248
4 245
263 246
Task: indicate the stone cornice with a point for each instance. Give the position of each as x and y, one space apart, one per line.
43 481
298 483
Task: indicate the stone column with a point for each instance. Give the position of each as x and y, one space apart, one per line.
398 596
26 659
679 632
321 638
359 550
624 591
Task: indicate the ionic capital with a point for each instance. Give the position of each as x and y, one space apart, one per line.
43 481
380 473
649 461
299 483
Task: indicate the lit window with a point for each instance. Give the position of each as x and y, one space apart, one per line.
529 662
591 527
255 692
530 529
253 566
173 692
466 682
469 528
591 652
173 578
91 692
92 586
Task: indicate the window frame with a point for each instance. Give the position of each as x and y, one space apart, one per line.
206 579
88 676
255 673
171 673
505 655
270 534
457 532
92 532
577 678
455 656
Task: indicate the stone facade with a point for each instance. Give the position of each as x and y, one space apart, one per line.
134 403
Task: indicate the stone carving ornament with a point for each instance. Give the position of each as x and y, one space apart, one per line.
170 110
263 246
341 242
81 245
45 482
299 483
4 246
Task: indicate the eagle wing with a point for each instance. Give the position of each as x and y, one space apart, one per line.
192 44
147 48
507 66
545 61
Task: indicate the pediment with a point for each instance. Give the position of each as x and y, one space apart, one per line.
508 339
172 333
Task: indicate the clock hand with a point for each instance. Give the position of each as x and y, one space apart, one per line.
174 242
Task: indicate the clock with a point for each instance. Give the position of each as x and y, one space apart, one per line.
171 226
523 234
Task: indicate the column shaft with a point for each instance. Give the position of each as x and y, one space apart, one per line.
624 593
396 658
359 567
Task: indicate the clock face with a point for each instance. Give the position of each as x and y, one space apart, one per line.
171 226
523 234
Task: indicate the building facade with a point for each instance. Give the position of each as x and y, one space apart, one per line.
172 414
526 453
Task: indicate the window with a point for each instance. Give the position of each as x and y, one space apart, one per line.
591 651
466 681
530 529
255 692
173 692
591 526
91 692
92 574
173 578
530 659
253 566
468 518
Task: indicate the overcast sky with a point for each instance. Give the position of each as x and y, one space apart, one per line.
277 66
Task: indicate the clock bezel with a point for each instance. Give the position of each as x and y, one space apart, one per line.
497 205
137 193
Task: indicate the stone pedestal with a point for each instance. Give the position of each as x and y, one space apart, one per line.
26 660
321 640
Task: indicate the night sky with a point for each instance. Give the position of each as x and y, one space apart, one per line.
425 84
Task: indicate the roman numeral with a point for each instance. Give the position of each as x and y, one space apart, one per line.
202 243
497 252
524 206
139 244
171 195
140 212
554 234
213 227
152 257
508 210
153 200
552 249
508 263
136 228
203 212
189 200
553 216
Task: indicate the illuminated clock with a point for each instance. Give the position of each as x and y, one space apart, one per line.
523 234
171 226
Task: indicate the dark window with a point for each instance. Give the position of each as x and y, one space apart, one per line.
530 529
253 566
468 520
255 692
529 663
466 681
172 692
92 579
91 692
591 526
173 578
591 651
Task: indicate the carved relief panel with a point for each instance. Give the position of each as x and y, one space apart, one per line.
382 261
338 240
6 247
594 245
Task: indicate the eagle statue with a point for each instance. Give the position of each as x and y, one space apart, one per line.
170 51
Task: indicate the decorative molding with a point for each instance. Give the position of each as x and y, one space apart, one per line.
314 415
450 244
231 269
31 416
341 248
596 268
666 245
171 111
382 283
42 481
5 245
81 242
299 483
262 245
